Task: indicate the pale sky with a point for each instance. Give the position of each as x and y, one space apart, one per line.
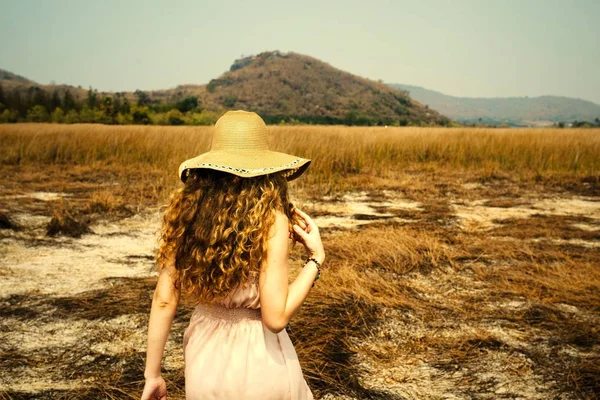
476 48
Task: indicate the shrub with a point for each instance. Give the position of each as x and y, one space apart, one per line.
211 87
141 115
229 101
72 117
159 118
57 115
241 63
9 116
175 117
87 115
187 104
124 119
203 118
38 114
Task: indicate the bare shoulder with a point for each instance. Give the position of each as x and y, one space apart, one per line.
280 226
277 244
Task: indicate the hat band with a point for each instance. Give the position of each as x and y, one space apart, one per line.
227 168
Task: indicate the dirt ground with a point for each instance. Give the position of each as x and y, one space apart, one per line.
74 309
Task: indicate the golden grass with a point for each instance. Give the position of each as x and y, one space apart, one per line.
338 152
441 275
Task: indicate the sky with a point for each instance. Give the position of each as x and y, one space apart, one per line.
472 48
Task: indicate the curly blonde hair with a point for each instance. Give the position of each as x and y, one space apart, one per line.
217 228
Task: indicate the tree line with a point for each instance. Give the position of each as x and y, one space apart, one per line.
61 106
579 124
35 104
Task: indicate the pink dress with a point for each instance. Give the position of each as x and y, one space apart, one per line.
230 354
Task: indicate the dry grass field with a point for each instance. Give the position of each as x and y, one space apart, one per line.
462 263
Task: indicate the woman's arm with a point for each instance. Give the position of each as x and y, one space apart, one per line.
280 300
164 306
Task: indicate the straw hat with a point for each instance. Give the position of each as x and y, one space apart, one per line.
239 147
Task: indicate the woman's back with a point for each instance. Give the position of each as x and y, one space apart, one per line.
229 354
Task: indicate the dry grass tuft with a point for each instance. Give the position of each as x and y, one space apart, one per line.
63 222
390 249
548 226
505 202
7 222
584 377
107 203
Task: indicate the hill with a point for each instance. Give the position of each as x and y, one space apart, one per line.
7 77
289 86
27 87
281 87
543 110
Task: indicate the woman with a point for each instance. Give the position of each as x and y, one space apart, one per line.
225 246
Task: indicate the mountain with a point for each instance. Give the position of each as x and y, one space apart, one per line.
284 86
521 111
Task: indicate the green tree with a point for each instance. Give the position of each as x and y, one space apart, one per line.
125 107
205 117
68 102
92 98
211 87
72 117
9 116
87 115
38 97
229 101
109 111
141 116
117 102
55 100
158 119
124 119
57 116
355 118
175 117
2 96
143 99
187 104
38 113
15 101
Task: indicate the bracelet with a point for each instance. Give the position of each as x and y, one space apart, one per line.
318 265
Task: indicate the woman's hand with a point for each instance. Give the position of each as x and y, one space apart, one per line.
155 389
309 235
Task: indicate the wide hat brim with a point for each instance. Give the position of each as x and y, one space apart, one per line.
247 163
